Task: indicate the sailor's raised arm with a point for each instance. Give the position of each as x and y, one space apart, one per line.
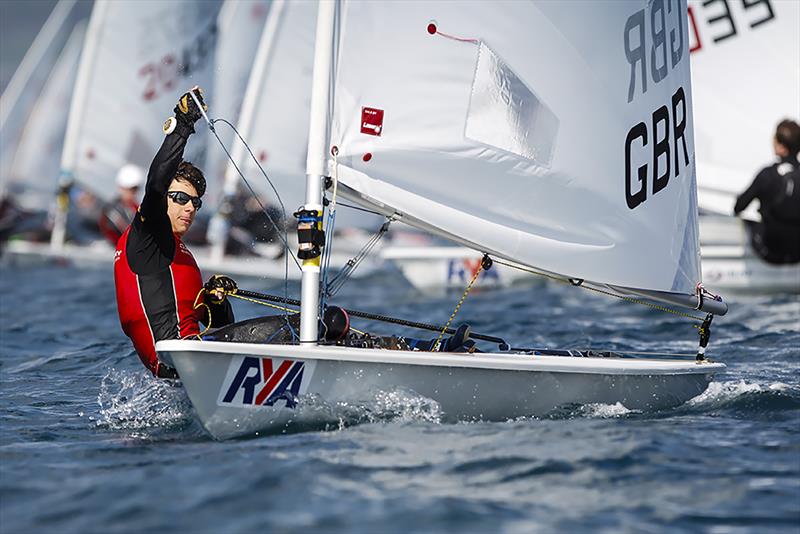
169 156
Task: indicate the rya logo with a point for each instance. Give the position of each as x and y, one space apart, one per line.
254 382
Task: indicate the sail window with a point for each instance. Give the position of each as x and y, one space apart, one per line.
504 113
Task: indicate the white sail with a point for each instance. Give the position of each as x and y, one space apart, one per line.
139 57
276 110
240 27
26 84
745 79
33 176
558 135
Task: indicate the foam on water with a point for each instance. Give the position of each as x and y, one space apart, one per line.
134 400
725 392
606 411
382 406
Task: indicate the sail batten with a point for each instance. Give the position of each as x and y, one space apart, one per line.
537 131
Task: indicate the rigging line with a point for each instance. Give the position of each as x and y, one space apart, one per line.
359 208
602 291
327 250
372 316
284 234
327 254
435 346
261 302
353 263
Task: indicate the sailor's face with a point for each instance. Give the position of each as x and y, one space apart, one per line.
181 216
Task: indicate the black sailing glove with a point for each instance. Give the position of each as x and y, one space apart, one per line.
186 111
218 287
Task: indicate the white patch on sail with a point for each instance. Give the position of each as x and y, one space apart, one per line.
504 113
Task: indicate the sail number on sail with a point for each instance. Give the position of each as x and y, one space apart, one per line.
666 18
162 76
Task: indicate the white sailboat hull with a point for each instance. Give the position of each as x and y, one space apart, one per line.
100 254
737 269
730 264
449 267
219 376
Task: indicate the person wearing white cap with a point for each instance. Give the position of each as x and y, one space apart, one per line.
117 215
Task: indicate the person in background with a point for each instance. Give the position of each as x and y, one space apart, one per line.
777 187
160 292
118 214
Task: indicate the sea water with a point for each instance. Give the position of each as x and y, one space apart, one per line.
89 442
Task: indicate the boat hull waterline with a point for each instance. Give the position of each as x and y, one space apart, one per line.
240 389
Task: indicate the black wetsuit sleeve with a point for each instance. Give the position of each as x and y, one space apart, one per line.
755 190
151 244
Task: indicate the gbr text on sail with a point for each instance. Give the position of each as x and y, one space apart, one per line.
654 45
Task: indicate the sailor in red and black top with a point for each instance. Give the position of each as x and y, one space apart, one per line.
159 286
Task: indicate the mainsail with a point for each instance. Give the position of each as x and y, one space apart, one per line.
557 135
240 27
33 175
139 56
745 79
274 117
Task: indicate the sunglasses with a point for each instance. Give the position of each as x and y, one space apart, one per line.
182 198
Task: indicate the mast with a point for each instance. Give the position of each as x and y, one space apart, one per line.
219 225
76 111
316 161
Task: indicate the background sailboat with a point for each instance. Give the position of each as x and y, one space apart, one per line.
136 54
440 119
745 80
274 121
29 79
33 174
240 27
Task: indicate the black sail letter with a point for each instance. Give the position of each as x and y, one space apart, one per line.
661 147
636 55
679 126
658 52
634 199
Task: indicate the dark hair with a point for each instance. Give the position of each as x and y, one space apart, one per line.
788 134
188 172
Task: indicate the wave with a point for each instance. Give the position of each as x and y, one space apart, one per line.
743 396
397 405
137 401
313 413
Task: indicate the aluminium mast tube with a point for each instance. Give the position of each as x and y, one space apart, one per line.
219 226
316 162
69 155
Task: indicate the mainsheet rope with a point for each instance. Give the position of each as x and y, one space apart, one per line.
488 262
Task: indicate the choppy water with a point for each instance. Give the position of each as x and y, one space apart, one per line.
90 443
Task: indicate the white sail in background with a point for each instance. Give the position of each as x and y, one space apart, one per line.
240 27
33 176
558 135
139 57
26 84
745 79
276 110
